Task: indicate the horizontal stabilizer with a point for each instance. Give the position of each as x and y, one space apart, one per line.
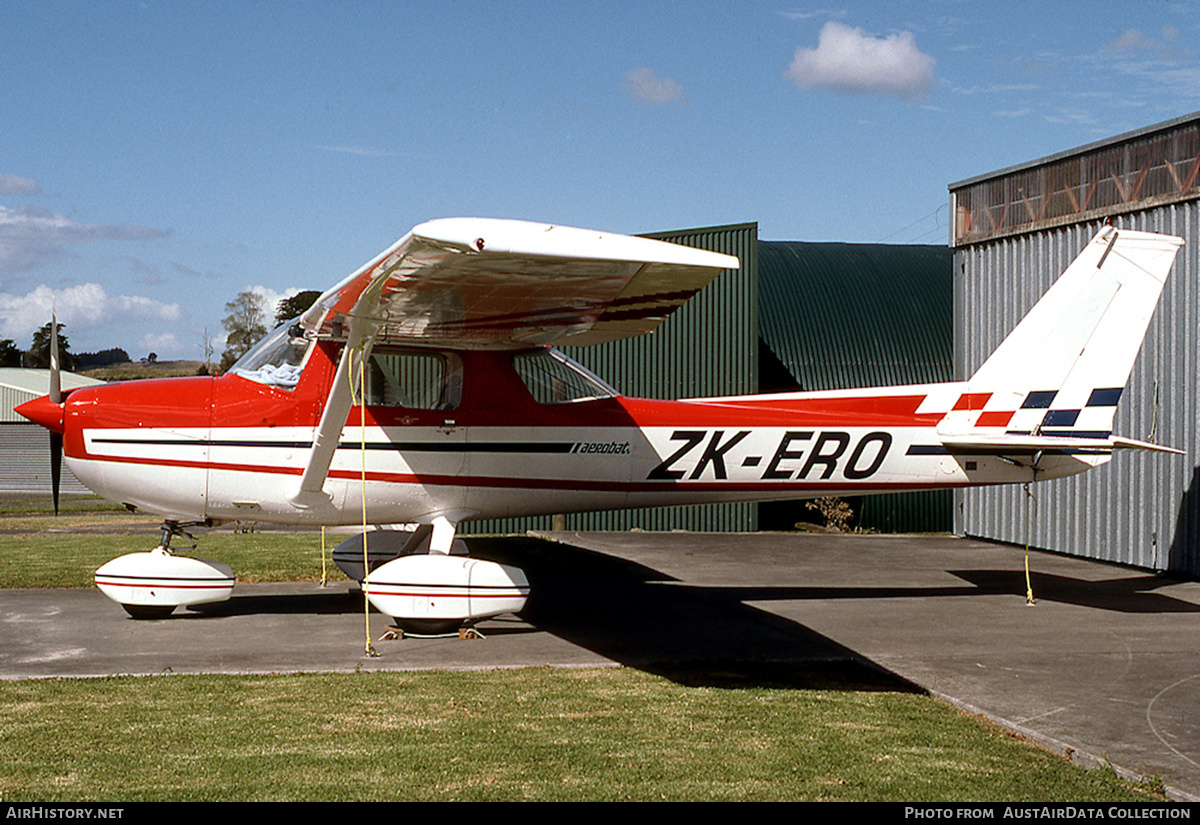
1028 444
1133 444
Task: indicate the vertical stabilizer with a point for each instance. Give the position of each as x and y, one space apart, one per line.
1061 371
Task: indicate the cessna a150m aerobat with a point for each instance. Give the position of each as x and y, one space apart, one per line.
422 390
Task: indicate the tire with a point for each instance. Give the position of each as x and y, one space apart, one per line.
148 611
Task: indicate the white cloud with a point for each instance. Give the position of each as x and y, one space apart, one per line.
1134 42
271 298
1131 40
997 88
160 343
805 15
645 86
17 185
364 151
78 307
33 236
848 61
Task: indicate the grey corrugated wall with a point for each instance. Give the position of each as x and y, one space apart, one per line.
26 462
1141 508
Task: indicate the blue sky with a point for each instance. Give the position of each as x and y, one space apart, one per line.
158 157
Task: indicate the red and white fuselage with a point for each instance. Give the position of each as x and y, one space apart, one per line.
229 448
421 389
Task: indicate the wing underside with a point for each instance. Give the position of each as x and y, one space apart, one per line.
481 283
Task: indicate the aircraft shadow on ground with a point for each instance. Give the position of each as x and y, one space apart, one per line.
640 617
1128 594
1133 594
340 598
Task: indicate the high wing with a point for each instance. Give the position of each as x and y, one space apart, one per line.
484 283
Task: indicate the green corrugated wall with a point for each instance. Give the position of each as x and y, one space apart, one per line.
858 315
861 315
706 347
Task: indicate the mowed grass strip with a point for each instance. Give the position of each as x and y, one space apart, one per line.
65 551
536 734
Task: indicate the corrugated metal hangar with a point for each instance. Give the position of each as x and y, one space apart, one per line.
795 316
25 446
1015 230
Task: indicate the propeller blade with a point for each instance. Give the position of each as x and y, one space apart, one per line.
56 439
55 371
56 452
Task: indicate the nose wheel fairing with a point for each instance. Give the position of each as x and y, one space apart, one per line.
141 582
152 584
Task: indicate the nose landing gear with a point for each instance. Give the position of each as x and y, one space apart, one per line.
150 585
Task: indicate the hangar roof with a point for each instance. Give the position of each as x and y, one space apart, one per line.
1150 167
18 385
843 315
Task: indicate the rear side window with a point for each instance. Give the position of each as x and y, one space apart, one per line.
553 378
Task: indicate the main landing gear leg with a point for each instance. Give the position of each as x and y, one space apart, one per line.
151 585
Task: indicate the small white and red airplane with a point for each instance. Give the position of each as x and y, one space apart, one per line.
422 390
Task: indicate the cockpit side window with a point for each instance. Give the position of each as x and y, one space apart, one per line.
553 378
277 360
415 379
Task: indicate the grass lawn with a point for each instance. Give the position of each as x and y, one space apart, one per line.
535 734
43 550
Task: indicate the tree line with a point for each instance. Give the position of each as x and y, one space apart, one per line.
245 323
38 354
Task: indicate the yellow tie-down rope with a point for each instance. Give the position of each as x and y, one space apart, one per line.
324 577
362 407
1029 498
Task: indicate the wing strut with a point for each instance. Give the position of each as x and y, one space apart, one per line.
310 492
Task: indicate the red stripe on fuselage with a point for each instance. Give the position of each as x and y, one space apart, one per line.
784 411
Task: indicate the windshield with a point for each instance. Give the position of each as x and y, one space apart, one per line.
276 360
